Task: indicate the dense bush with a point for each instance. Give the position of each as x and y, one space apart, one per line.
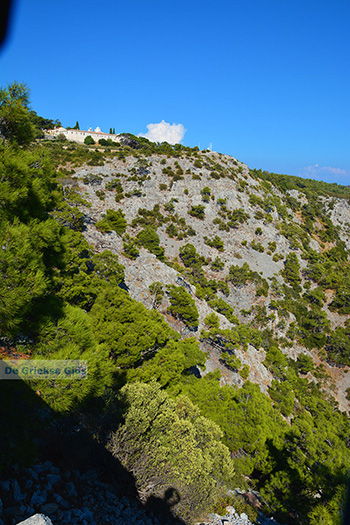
215 242
130 247
304 363
149 239
338 345
257 246
291 271
126 329
113 220
197 211
217 265
240 275
231 361
183 306
166 443
89 140
190 257
72 337
206 193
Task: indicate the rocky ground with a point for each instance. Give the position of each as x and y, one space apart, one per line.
44 494
67 497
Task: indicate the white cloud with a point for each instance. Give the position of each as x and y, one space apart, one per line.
315 170
165 132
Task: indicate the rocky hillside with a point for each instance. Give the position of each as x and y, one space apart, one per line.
251 249
211 305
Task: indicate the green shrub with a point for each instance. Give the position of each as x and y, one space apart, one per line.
126 329
197 211
222 307
217 265
130 247
89 140
69 216
240 275
189 256
113 220
281 392
114 184
276 362
262 288
291 271
231 361
257 246
206 193
244 371
107 142
215 242
315 296
168 440
149 239
100 194
172 230
157 291
338 345
72 337
183 306
230 218
304 364
341 301
241 185
212 321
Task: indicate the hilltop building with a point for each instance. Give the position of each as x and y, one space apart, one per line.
77 135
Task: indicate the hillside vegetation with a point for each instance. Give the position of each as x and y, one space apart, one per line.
212 303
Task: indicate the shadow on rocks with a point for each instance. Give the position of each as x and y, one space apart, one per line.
161 507
32 433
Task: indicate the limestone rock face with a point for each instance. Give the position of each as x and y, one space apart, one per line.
272 228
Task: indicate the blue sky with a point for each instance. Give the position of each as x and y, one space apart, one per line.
267 81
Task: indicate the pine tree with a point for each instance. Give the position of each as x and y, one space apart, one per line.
15 117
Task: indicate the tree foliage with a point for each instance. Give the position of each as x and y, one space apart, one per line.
166 443
129 331
113 220
15 120
183 306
